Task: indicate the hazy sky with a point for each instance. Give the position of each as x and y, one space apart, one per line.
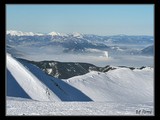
90 19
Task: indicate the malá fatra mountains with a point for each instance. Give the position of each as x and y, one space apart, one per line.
78 74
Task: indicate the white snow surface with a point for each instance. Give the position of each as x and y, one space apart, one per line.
78 35
119 85
29 82
22 107
20 33
53 33
117 92
49 70
38 85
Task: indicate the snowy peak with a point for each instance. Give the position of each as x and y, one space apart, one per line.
57 34
20 33
54 33
74 34
77 35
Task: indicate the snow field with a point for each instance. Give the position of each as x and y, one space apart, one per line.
117 92
120 85
30 108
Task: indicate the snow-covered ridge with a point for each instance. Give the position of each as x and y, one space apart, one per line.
29 82
120 85
78 35
53 33
37 84
20 33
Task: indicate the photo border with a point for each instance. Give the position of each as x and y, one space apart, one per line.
156 49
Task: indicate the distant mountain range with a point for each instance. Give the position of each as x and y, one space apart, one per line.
78 43
78 37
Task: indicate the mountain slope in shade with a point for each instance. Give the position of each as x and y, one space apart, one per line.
148 50
13 88
40 86
65 70
30 84
63 90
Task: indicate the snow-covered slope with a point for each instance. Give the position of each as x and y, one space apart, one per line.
63 90
25 107
40 86
120 85
119 91
28 82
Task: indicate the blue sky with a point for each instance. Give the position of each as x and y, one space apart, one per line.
87 19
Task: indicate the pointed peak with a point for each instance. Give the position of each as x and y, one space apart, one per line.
77 34
54 33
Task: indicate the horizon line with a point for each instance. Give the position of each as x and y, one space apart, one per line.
120 34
